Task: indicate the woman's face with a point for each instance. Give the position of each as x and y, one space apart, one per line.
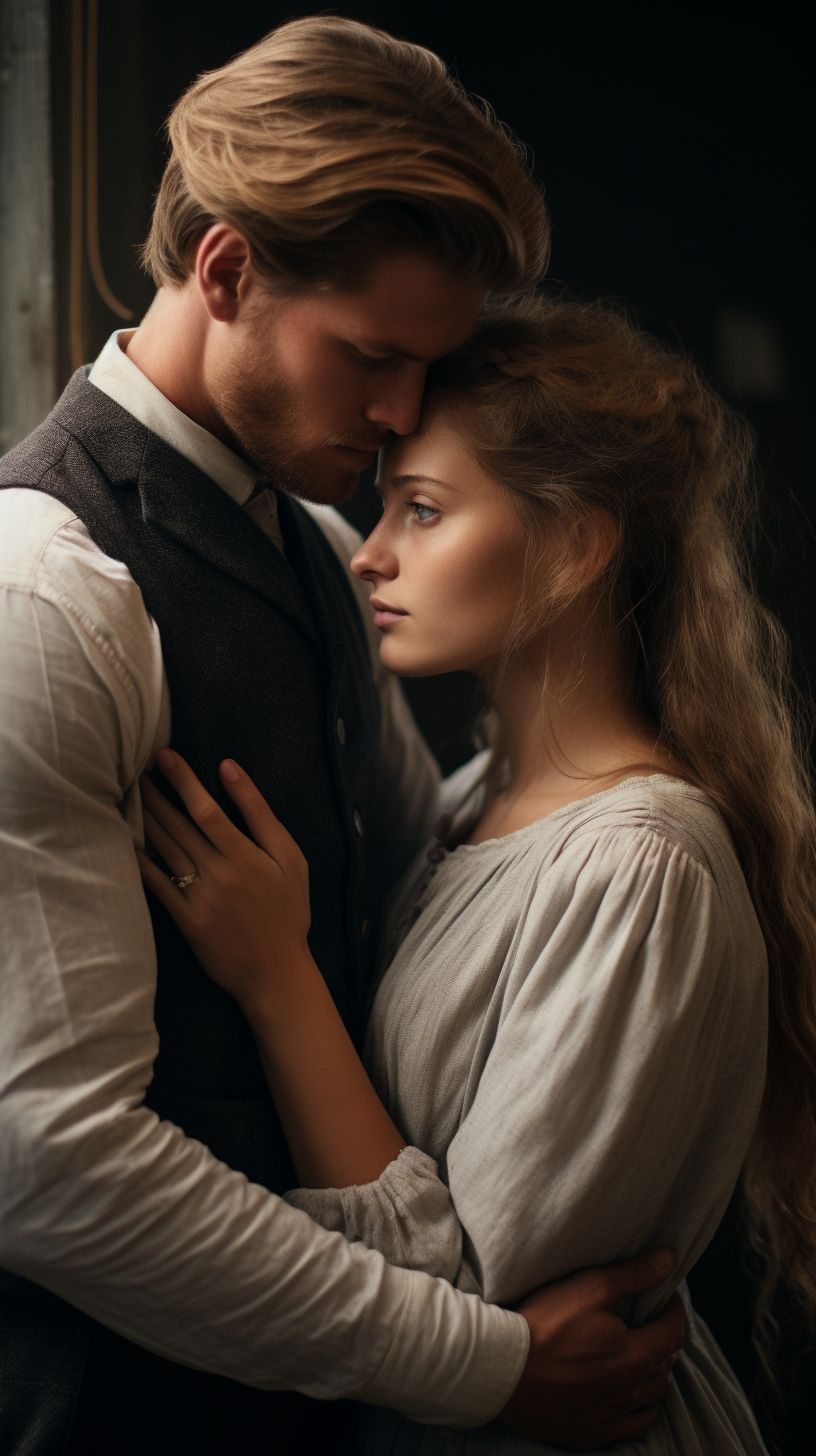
445 562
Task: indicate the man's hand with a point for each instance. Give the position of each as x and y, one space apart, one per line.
589 1380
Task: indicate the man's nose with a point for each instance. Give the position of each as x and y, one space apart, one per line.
399 404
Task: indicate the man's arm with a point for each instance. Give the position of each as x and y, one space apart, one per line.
101 1202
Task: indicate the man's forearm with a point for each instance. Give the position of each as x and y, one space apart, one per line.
168 1247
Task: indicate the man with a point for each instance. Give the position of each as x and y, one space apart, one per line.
332 218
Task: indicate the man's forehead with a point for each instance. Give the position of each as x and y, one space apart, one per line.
404 296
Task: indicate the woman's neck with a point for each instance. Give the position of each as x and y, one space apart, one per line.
566 740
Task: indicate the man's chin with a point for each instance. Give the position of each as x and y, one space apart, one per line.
329 488
325 476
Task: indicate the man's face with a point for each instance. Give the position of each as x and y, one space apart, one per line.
309 385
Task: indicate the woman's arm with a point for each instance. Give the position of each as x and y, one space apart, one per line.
616 1101
246 916
338 1131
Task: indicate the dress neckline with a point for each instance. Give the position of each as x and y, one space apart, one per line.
516 835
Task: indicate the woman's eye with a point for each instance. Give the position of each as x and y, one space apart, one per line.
423 513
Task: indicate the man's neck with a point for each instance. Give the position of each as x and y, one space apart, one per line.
169 348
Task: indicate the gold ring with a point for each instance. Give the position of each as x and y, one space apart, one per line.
182 881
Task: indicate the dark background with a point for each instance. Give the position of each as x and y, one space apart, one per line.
671 147
673 158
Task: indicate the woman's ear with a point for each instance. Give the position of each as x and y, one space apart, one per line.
597 539
575 555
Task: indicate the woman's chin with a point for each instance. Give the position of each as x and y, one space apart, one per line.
412 664
403 664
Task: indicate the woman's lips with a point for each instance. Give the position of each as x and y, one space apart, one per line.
385 616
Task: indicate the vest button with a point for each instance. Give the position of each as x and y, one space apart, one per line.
358 823
341 731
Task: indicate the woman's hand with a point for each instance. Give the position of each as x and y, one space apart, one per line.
246 913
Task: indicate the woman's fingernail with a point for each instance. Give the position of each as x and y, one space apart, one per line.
166 759
229 771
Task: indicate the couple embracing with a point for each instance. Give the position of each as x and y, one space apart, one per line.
393 1114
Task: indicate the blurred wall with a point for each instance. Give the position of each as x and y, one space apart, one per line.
28 375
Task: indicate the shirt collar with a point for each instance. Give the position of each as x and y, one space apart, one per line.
117 376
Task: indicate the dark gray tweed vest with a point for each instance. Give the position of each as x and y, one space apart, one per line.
266 657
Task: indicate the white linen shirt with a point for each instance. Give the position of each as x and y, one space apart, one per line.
101 1201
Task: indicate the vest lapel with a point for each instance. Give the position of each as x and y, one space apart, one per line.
309 560
180 499
194 510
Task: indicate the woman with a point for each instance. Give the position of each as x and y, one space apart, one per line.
568 1044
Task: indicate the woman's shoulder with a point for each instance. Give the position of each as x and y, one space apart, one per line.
657 839
647 831
655 805
645 869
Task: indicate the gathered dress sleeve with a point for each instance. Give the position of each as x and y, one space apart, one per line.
611 1091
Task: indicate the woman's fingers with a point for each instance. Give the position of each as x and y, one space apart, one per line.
174 825
265 828
200 805
176 858
169 895
215 831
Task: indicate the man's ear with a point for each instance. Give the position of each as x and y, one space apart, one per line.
223 270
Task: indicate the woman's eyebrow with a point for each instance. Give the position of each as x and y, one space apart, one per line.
400 480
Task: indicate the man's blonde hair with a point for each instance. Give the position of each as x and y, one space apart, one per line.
330 141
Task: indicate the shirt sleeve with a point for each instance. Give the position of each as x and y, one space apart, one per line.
100 1201
617 1093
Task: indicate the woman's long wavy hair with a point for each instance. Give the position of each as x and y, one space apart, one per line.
571 407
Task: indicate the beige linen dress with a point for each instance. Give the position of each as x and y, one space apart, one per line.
570 1034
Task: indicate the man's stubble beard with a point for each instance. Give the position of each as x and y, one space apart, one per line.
268 426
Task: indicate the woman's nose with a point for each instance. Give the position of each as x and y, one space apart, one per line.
374 558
